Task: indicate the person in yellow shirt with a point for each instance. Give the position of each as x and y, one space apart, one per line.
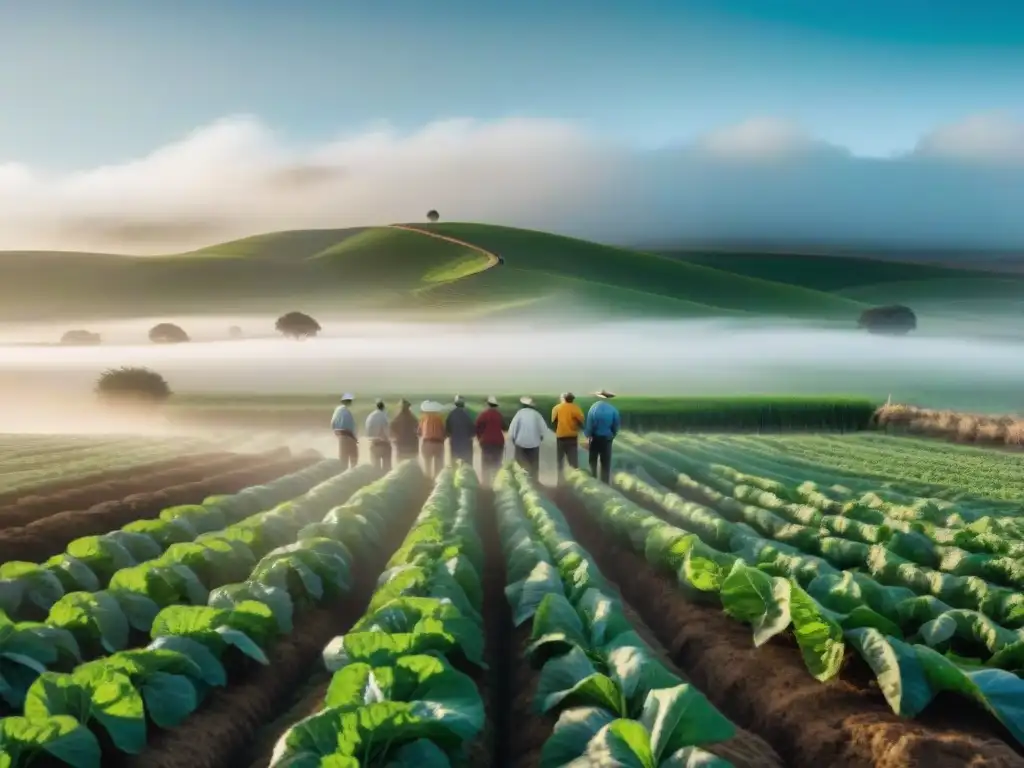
567 420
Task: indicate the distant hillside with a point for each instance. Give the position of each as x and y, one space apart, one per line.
451 270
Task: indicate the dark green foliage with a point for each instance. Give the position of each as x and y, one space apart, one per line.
134 384
893 320
297 325
433 215
167 333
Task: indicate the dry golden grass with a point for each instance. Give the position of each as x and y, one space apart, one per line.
951 425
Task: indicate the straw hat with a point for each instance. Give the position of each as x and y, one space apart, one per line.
492 400
429 406
526 400
604 394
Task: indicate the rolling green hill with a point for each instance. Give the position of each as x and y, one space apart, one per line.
452 270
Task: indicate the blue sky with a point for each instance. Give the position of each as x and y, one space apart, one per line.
88 83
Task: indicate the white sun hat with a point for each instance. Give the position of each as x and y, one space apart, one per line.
348 396
526 400
604 394
492 400
429 406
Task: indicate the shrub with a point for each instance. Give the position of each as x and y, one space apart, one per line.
129 384
893 320
297 325
167 333
80 337
433 215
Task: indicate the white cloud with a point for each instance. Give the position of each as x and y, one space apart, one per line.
764 178
993 137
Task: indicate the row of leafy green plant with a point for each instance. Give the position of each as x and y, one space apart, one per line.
398 695
181 556
776 589
948 594
195 648
617 704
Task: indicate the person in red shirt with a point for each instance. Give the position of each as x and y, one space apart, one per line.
490 433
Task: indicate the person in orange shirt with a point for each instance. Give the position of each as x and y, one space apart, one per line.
567 419
432 434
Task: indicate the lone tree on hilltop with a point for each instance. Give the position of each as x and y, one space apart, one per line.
129 385
167 333
433 215
891 320
80 337
297 325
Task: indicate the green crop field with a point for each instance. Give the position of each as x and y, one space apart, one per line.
718 604
405 272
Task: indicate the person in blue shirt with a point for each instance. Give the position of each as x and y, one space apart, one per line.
600 429
344 425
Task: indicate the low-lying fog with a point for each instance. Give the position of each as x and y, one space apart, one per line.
677 357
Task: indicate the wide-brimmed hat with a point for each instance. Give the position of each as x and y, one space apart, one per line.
492 400
604 394
459 400
429 406
347 396
526 400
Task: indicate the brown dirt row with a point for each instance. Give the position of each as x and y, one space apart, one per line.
239 725
841 724
107 476
51 535
181 470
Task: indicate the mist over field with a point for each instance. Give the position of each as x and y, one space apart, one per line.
639 358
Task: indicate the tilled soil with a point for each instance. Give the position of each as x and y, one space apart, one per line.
51 535
239 725
72 484
768 690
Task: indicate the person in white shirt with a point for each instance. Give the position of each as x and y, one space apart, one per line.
377 434
344 425
527 432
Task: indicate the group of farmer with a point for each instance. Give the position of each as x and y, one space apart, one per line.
408 436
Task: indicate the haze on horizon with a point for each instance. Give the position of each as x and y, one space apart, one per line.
625 122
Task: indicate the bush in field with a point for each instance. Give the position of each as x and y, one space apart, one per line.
167 333
134 385
893 320
433 215
297 325
80 338
235 332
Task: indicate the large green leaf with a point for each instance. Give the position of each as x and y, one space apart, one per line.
372 732
381 649
525 596
754 597
573 732
103 556
169 698
998 691
92 617
248 626
572 680
93 693
41 587
62 737
212 671
634 668
620 743
74 575
897 668
602 617
276 599
682 717
557 625
819 637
